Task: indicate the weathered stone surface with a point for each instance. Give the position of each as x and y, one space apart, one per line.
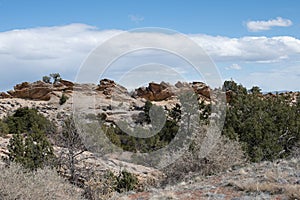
69 84
4 95
21 86
201 89
39 90
108 87
180 84
155 92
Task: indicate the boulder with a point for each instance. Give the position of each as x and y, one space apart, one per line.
21 86
201 89
109 86
4 95
39 90
155 92
69 84
180 84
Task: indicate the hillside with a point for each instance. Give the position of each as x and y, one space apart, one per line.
229 174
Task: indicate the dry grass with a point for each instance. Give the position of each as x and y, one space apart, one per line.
225 154
291 191
43 184
101 186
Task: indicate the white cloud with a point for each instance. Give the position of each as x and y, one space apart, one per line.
28 54
250 49
234 67
136 18
267 25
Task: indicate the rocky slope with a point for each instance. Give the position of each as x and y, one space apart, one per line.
279 180
108 97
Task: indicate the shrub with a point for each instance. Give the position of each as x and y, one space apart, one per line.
47 79
100 186
71 140
56 77
126 181
44 184
268 128
32 151
225 154
63 99
24 119
3 128
103 186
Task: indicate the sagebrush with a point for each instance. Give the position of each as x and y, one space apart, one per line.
16 183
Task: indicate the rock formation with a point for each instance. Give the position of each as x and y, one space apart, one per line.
155 92
38 90
201 89
109 86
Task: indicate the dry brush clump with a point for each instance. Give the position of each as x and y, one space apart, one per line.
226 153
106 185
291 191
42 184
100 186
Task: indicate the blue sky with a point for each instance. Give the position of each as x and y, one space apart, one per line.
214 17
253 42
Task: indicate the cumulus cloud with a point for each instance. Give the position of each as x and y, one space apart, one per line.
234 67
28 54
267 25
250 49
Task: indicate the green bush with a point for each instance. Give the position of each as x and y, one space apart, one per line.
126 181
3 128
63 99
56 77
46 79
102 186
24 119
268 128
32 151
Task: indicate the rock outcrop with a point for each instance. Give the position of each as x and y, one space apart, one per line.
155 92
38 90
4 95
201 89
163 91
108 87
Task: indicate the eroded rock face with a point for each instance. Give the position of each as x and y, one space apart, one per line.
180 84
39 90
155 92
67 84
108 87
201 89
4 95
